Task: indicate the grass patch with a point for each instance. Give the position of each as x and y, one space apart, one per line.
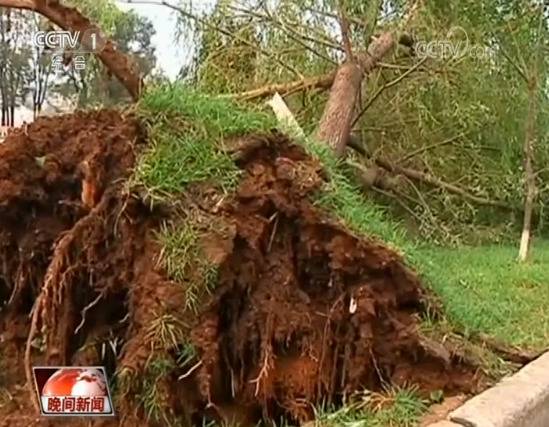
183 260
154 394
179 157
186 130
396 407
484 289
165 331
180 248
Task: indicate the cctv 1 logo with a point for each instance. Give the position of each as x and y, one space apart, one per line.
90 41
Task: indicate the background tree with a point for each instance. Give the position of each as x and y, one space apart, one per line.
14 66
68 17
27 69
133 36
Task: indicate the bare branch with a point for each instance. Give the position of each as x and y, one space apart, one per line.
323 81
429 147
354 20
387 86
289 27
516 66
437 182
344 25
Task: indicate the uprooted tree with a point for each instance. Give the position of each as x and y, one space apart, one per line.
234 306
413 134
216 287
239 302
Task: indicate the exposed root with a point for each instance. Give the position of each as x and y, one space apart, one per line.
28 363
288 309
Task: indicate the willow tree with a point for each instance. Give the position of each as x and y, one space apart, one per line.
434 134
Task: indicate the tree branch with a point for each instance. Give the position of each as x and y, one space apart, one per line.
288 28
285 116
517 67
344 25
387 86
354 20
437 182
18 4
429 147
323 81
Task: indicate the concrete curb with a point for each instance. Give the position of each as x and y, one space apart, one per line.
522 400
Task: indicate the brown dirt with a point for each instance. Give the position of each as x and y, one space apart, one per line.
440 411
304 310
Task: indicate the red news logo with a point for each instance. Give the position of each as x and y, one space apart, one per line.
82 391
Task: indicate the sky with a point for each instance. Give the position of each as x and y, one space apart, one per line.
171 56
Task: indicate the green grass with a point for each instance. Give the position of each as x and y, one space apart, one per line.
184 262
396 407
484 289
186 130
179 248
154 395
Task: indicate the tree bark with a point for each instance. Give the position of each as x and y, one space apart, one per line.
529 173
533 81
336 121
70 19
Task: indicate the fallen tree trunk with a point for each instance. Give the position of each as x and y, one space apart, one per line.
337 119
70 19
371 177
437 182
335 124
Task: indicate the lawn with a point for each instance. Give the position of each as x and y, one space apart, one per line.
485 289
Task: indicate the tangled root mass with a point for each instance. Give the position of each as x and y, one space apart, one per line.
303 310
